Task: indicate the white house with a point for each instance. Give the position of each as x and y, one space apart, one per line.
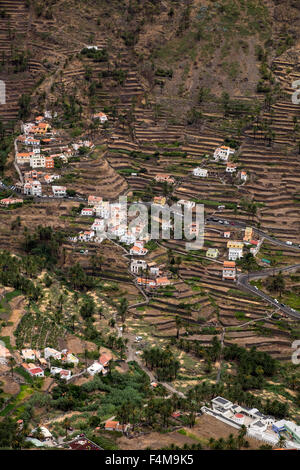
259 426
138 249
154 270
128 238
231 167
33 188
188 204
59 191
102 209
87 211
235 253
244 176
101 116
28 354
137 265
220 402
63 373
98 226
223 153
69 357
33 370
200 172
95 368
50 352
86 236
229 270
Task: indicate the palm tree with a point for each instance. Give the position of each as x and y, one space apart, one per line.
178 322
67 425
281 441
11 362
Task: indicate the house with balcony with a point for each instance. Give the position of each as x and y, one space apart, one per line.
59 191
212 253
223 153
203 172
229 271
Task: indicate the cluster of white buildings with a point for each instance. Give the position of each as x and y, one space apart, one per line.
65 356
111 222
221 154
259 426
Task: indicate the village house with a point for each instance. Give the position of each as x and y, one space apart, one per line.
69 357
188 204
39 119
102 209
105 359
116 426
95 368
4 354
32 175
235 253
138 249
33 370
26 127
244 176
83 443
229 270
59 191
154 270
101 116
52 353
86 236
234 244
128 238
24 157
9 201
99 226
63 373
231 167
87 212
145 281
162 281
32 188
94 200
223 153
248 234
226 234
41 161
164 178
29 354
212 253
117 230
137 265
50 178
203 172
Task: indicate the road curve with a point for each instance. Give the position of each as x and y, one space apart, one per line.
243 281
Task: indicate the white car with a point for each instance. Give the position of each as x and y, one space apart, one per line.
288 243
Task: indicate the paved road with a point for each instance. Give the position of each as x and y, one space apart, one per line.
235 223
243 280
